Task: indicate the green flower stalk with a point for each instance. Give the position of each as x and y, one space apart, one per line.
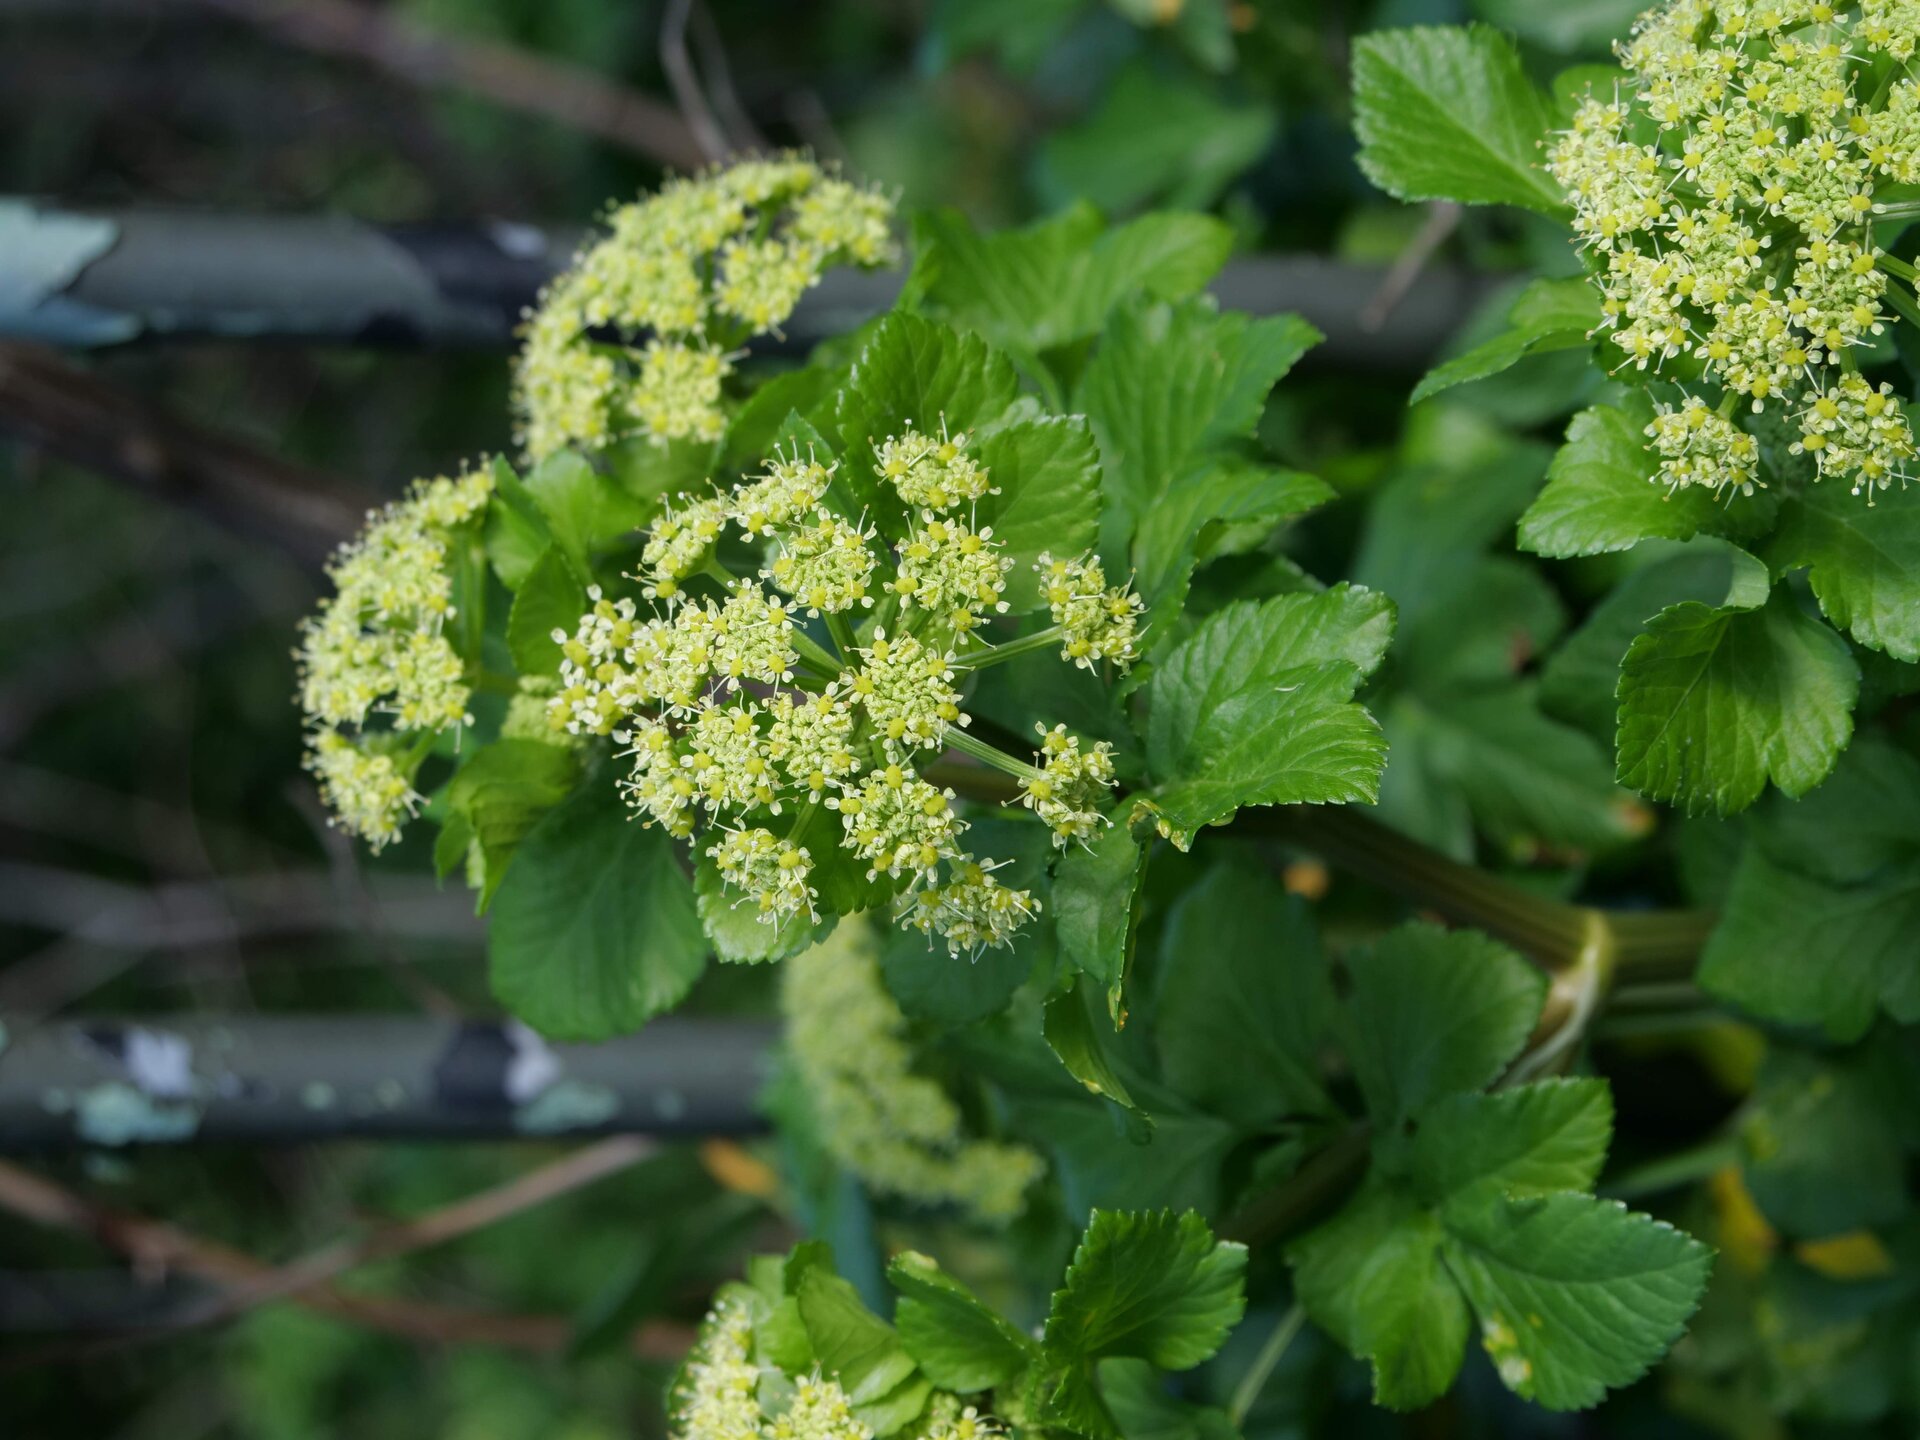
1727 195
638 337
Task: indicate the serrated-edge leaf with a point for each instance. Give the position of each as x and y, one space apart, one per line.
1600 494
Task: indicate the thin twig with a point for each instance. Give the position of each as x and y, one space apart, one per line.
450 1222
507 76
154 1245
1442 217
695 112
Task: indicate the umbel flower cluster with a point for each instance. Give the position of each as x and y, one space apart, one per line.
639 336
1729 194
743 728
898 1131
377 650
726 1393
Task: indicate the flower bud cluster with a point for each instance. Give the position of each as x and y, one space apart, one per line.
1727 194
898 1131
376 648
637 337
738 723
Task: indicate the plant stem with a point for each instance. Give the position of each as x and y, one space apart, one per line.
1025 645
1670 1172
1255 1380
1313 1191
842 635
990 754
813 652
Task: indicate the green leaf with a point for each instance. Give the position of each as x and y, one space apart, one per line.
1371 1277
1449 114
1117 1160
583 508
1178 532
1256 708
1715 702
1171 382
1548 315
1526 779
733 924
1433 1012
1154 137
517 533
1056 281
1530 1140
1093 895
550 598
1863 562
1152 1285
1047 473
500 794
1136 1396
1578 681
849 1341
594 930
1601 493
1820 1142
1243 1000
1569 26
957 1341
915 370
1574 1294
754 431
1818 924
1074 1035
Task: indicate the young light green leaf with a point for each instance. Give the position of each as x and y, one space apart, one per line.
1715 702
1256 708
1170 382
1445 113
1601 494
851 1343
550 598
594 930
1149 1284
1056 281
1243 998
1371 1277
1573 1294
1549 315
1433 1012
1863 563
733 925
583 508
501 792
1047 475
960 1343
1529 1140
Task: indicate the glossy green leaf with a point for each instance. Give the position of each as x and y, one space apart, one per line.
1445 113
1549 315
1862 561
960 1343
1714 703
550 598
1529 1140
1602 495
1047 473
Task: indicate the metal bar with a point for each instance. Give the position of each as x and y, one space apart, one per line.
284 1079
84 280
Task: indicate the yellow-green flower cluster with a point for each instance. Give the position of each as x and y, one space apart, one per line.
898 1131
376 649
639 336
1728 194
738 722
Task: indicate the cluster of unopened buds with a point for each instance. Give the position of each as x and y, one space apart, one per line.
1729 193
697 269
735 717
376 649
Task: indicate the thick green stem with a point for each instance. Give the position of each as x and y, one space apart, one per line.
842 635
987 754
814 653
998 654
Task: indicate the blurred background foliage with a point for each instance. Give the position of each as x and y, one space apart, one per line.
146 734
